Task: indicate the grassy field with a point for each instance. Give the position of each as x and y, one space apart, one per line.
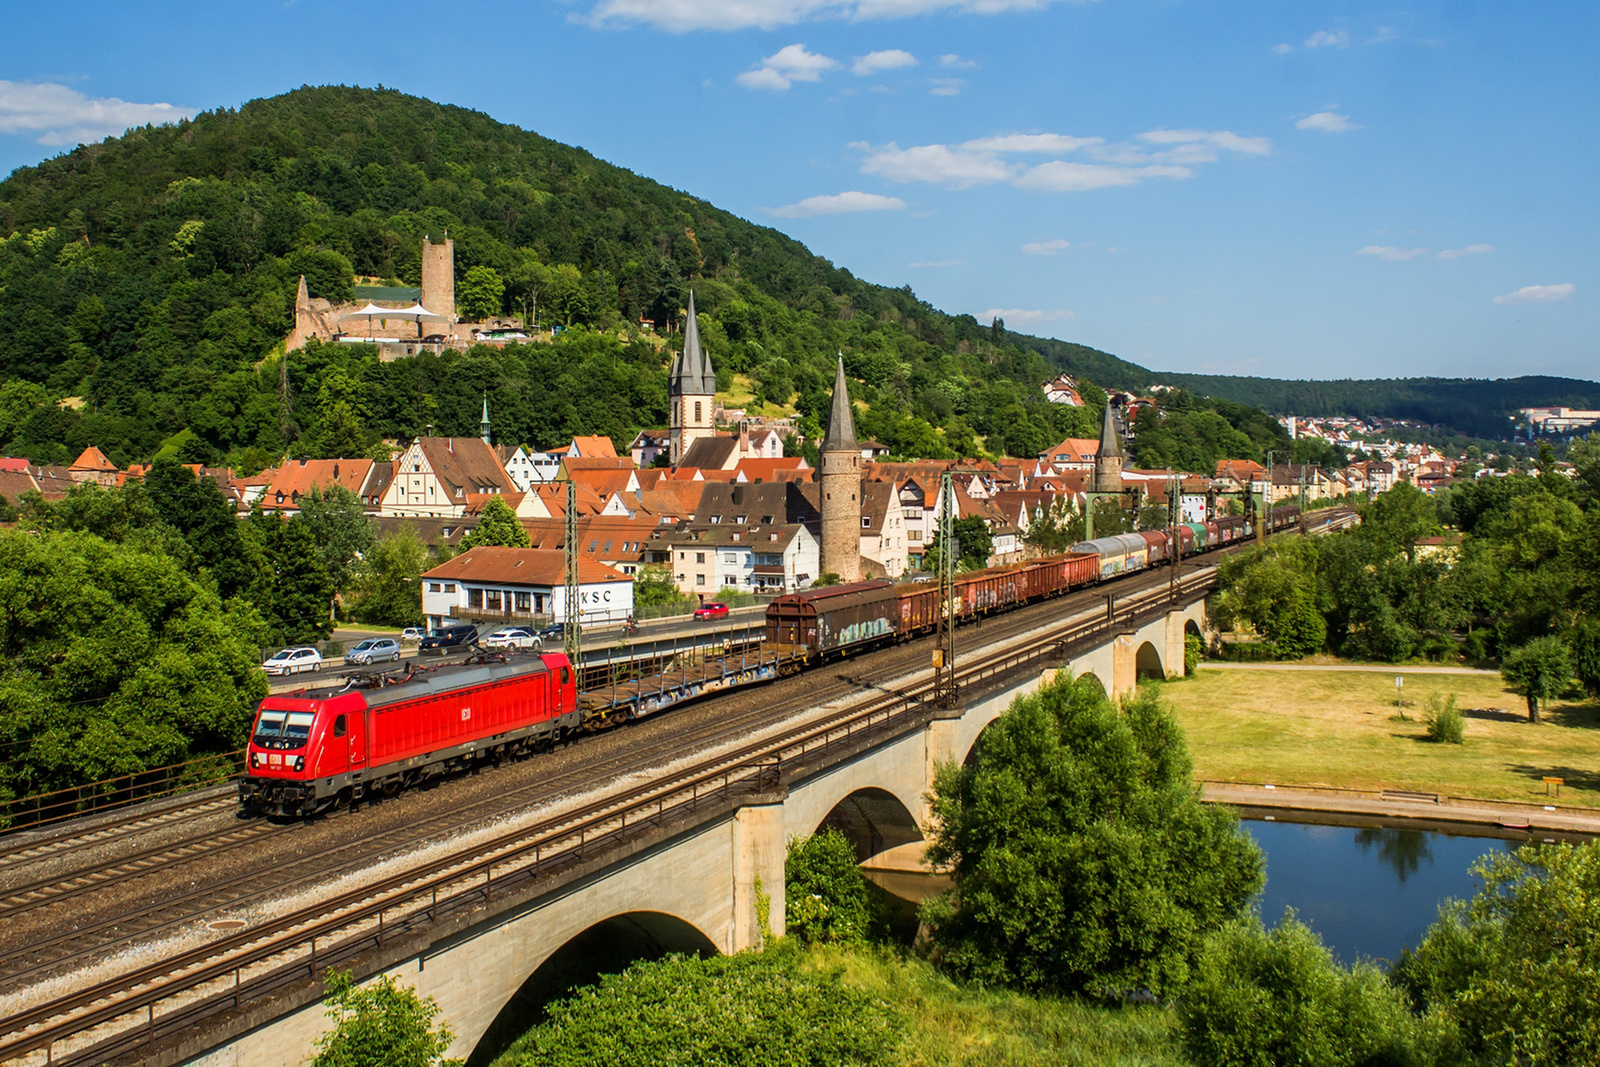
1339 728
956 1024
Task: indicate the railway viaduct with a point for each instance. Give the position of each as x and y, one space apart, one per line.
710 884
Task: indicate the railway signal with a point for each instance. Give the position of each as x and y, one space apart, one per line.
572 631
944 655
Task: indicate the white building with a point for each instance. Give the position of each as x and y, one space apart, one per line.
498 586
527 469
780 558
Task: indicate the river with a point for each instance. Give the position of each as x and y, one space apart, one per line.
1366 891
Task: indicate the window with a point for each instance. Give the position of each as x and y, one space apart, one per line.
699 579
741 519
683 555
338 726
699 557
697 411
474 598
592 546
730 557
866 522
608 546
433 587
716 519
566 676
524 601
492 600
449 587
766 520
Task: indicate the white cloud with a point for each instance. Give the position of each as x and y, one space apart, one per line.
988 160
1046 248
889 59
63 116
947 86
679 16
1060 176
1470 250
1013 316
1391 253
1327 122
936 263
1537 294
1282 49
839 204
1326 39
957 167
951 61
791 63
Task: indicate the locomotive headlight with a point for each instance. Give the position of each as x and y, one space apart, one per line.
255 759
299 763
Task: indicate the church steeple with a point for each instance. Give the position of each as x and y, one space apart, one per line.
691 389
483 424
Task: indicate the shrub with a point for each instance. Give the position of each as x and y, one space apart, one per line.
1082 857
1264 998
753 1008
1444 719
1193 652
381 1024
827 898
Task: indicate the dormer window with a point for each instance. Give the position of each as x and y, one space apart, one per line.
866 522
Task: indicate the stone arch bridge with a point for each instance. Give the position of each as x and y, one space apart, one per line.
708 886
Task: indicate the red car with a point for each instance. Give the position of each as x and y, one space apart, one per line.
714 610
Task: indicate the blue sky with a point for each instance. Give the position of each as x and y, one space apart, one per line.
1270 187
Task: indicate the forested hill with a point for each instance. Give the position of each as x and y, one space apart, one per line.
146 281
150 274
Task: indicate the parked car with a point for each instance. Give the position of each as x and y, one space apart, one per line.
553 634
294 661
714 610
373 650
512 637
412 634
445 638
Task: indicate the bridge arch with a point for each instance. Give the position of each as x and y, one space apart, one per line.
1095 678
874 819
1147 662
608 946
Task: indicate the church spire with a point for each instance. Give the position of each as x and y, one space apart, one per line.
691 373
483 425
841 436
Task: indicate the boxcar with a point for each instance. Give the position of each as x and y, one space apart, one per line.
1156 544
306 750
1199 535
1136 552
835 618
1111 552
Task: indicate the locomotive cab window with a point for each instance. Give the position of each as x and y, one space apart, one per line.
566 676
338 726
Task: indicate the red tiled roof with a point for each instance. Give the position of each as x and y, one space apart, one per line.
595 446
92 459
767 470
298 477
522 566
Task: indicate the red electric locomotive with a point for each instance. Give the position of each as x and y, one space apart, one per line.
311 750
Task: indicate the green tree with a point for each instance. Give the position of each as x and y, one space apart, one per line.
1267 998
497 525
388 581
1081 855
1540 670
1511 976
479 295
293 591
827 897
974 541
341 529
654 587
208 522
1055 529
114 659
381 1024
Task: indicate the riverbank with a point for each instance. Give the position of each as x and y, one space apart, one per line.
1332 729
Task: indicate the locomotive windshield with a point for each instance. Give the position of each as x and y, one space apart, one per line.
280 729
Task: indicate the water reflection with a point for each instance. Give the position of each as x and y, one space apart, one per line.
1402 850
1367 892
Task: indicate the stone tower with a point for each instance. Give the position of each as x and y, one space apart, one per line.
1108 460
691 389
439 279
841 487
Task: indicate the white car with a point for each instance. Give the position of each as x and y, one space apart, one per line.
512 637
294 661
412 634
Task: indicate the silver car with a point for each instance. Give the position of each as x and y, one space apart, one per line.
512 637
294 661
374 650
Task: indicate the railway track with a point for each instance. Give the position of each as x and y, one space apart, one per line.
264 949
25 959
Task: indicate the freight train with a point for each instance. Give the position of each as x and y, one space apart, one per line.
312 750
837 620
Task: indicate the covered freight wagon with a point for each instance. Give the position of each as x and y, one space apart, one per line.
834 618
